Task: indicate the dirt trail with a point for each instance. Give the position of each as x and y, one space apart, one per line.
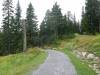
57 63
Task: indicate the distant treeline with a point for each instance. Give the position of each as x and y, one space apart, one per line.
91 17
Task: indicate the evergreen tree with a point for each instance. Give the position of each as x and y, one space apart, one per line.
98 15
55 25
46 30
7 26
84 24
32 35
1 45
17 29
52 26
75 24
91 14
57 20
70 23
64 26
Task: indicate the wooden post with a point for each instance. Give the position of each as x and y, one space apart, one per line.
24 36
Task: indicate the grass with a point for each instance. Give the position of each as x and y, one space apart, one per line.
81 68
22 63
87 43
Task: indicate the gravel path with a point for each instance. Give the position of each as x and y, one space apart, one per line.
57 63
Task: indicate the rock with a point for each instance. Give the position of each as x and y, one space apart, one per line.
95 66
98 71
97 59
84 54
79 55
90 56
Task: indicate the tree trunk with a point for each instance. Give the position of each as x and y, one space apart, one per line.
24 36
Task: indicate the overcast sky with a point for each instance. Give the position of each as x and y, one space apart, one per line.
41 6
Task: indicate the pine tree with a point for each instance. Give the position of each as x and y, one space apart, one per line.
91 14
46 30
56 26
84 22
57 20
70 23
75 25
1 41
32 35
64 26
17 29
98 15
7 26
52 26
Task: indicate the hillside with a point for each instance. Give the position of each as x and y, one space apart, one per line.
87 43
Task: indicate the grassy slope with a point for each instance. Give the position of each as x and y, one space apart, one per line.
88 43
82 43
21 64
